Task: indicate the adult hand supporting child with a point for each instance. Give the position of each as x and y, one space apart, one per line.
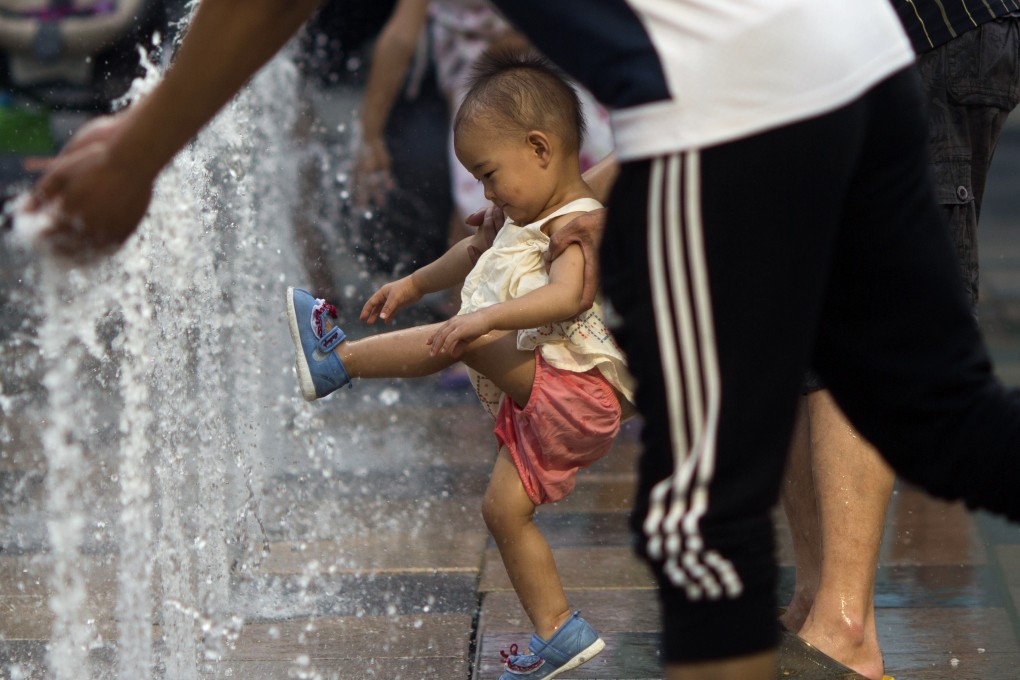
487 221
585 230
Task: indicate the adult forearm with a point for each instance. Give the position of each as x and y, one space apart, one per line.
601 176
391 59
227 42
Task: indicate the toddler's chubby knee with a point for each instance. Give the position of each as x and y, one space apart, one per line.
503 517
492 513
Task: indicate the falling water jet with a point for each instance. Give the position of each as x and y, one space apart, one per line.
188 443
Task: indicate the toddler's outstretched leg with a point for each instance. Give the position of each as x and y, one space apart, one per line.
327 359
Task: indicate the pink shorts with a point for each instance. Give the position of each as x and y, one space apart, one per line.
569 422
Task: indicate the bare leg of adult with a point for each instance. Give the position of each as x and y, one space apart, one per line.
800 502
753 667
853 487
509 515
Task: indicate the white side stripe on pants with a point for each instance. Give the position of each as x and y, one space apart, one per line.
683 317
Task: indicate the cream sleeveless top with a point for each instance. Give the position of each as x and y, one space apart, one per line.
513 266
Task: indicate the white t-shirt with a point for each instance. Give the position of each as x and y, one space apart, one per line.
682 74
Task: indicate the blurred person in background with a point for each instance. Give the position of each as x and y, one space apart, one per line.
334 53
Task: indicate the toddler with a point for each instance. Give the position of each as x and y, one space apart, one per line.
548 371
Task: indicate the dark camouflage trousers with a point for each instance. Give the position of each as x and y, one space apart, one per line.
973 82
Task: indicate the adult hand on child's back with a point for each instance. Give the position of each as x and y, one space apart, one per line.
488 221
96 199
586 231
391 298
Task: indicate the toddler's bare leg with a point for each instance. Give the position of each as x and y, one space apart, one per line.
397 354
509 515
405 354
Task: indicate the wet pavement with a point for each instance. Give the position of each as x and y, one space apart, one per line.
438 603
378 564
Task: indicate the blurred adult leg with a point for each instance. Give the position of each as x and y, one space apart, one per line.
897 342
837 235
972 83
719 297
837 517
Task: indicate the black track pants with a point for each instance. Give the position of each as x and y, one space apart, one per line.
734 268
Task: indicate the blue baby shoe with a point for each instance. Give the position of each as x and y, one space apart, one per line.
319 369
575 643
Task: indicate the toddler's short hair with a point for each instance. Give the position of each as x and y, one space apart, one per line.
523 89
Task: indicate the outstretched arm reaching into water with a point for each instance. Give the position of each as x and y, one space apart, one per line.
100 185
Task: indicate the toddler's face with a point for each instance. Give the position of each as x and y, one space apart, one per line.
509 169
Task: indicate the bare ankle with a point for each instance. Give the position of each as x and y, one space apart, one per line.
554 623
852 643
797 611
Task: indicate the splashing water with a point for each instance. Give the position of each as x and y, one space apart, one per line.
149 424
138 355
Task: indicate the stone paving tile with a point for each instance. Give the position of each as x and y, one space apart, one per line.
580 568
436 546
422 646
369 668
577 529
370 594
24 597
26 660
921 530
613 493
24 618
921 643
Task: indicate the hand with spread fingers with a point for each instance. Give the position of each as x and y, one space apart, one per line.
96 202
390 299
